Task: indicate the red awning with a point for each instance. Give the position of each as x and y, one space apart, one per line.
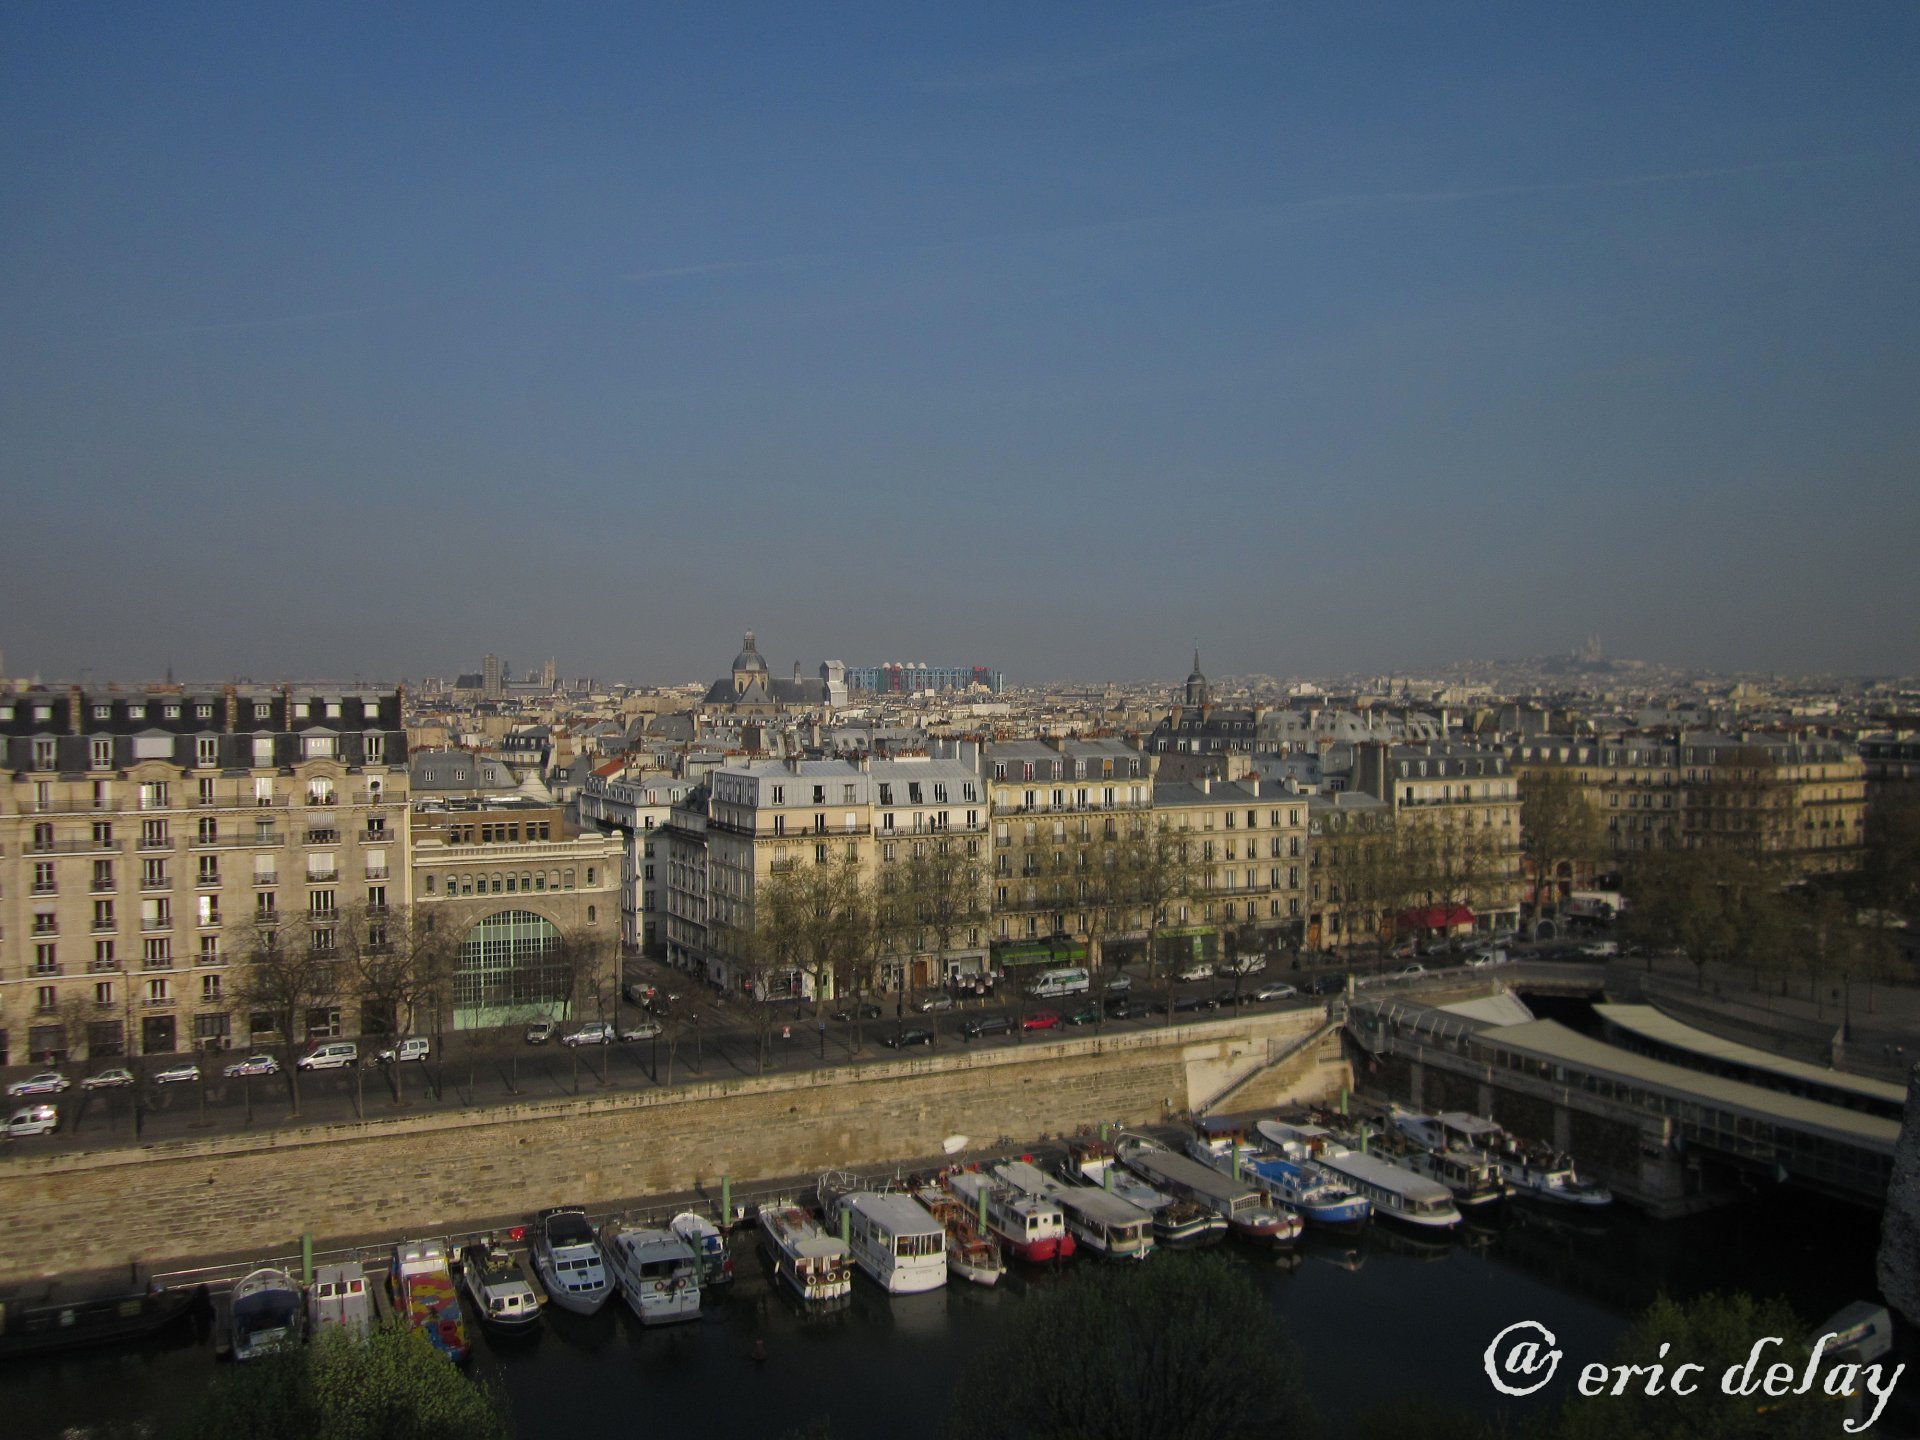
1435 917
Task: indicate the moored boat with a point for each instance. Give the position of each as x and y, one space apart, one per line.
61 1316
709 1247
894 1240
421 1287
1098 1220
1234 1199
1178 1223
567 1258
1285 1180
1031 1229
656 1271
1552 1180
502 1299
813 1263
972 1254
267 1313
1396 1193
1474 1180
340 1299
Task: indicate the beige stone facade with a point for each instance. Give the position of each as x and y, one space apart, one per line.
144 836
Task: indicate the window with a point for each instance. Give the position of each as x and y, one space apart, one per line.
103 914
100 754
103 955
45 752
156 953
206 750
46 959
210 950
159 992
46 999
210 989
209 870
207 909
43 881
154 795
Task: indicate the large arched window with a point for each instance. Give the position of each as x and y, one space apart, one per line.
509 970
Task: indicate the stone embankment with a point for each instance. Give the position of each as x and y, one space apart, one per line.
436 1172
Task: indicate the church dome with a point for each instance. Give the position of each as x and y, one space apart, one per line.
748 661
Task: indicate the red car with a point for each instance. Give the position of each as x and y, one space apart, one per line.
1041 1020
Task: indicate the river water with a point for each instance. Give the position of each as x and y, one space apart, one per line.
1373 1319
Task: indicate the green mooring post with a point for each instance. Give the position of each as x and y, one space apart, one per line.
1106 1176
1103 1132
983 1205
306 1258
1236 1159
1343 1099
846 1225
726 1201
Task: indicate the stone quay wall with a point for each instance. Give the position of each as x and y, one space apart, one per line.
434 1172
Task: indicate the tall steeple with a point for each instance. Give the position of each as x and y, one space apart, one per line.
1196 682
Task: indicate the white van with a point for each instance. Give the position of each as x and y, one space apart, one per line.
334 1055
414 1047
1070 980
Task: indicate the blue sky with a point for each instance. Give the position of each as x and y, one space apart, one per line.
343 339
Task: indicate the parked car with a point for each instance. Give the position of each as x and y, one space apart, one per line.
1275 992
1601 949
900 1039
334 1055
1127 1008
1085 1015
1407 972
414 1047
1405 950
541 1031
1041 1020
1198 970
47 1082
597 1032
114 1079
1186 1004
252 1065
642 1030
866 1010
1119 983
178 1075
34 1120
936 1002
1327 985
650 997
986 1025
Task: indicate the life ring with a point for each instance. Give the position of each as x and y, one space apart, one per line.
660 1285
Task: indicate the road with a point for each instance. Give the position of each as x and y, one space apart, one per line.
488 1068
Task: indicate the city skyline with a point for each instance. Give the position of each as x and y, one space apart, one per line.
1350 342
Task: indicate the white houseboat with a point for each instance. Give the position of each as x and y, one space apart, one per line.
655 1271
568 1261
1100 1221
340 1299
810 1260
973 1253
902 1248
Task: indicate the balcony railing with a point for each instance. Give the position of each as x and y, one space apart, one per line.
73 847
378 872
156 924
322 837
376 837
266 877
44 887
156 882
322 877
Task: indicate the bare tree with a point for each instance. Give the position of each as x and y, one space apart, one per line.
946 892
1559 825
584 965
285 979
773 950
1168 876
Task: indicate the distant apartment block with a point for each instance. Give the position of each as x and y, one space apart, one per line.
917 679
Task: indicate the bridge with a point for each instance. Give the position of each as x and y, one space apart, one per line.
1667 1137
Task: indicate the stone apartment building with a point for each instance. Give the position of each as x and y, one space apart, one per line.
1250 838
1047 796
527 893
144 836
636 807
754 818
1468 799
1800 798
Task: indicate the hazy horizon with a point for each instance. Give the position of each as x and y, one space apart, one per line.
370 339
